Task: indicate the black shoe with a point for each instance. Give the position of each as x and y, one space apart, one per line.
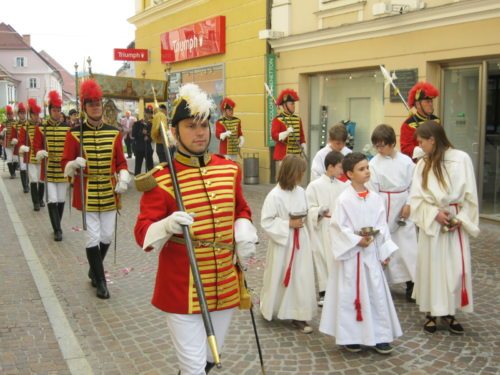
453 326
409 291
41 192
383 348
209 366
95 262
103 249
355 348
430 325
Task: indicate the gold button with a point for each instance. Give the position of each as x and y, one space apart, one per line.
213 195
203 171
219 235
218 249
214 208
209 183
217 221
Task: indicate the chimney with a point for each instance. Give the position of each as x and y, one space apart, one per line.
27 39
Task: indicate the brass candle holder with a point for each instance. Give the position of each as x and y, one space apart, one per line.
452 222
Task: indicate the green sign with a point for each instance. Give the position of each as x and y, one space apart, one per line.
271 105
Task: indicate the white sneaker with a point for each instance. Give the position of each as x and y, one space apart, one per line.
302 326
321 301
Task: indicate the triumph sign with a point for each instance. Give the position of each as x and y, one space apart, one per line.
200 39
130 54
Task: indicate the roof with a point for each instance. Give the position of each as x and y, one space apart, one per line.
10 38
68 79
6 76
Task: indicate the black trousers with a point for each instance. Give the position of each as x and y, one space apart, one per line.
140 155
128 143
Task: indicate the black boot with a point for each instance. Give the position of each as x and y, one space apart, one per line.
55 221
12 170
35 196
24 181
41 191
409 291
16 166
103 248
95 262
209 366
60 208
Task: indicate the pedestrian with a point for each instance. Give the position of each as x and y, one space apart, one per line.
420 96
100 160
143 148
391 173
219 219
358 308
337 138
10 141
73 121
49 146
27 135
288 290
322 194
126 124
444 206
228 130
23 168
286 128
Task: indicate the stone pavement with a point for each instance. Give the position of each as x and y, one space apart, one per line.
126 335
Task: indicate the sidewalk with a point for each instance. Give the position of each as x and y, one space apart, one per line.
126 335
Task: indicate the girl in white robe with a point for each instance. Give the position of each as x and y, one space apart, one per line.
288 290
444 190
391 173
321 196
358 308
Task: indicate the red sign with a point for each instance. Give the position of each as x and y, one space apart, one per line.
200 39
131 54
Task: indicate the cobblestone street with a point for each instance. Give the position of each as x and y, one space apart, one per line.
127 335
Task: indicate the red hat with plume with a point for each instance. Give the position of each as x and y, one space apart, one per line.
227 103
148 109
421 91
21 108
33 107
9 111
287 95
54 99
90 91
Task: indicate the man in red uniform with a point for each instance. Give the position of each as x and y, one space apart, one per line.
228 130
10 141
286 128
219 220
420 97
21 126
100 160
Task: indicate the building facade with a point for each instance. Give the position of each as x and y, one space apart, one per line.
331 51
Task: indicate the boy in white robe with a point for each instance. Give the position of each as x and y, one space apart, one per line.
321 196
391 173
288 290
444 206
358 308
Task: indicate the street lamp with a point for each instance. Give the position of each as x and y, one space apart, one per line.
89 61
76 85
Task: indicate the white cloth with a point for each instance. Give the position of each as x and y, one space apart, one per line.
391 178
9 153
439 267
322 193
73 165
160 232
245 237
100 227
22 165
380 322
34 172
242 141
298 300
190 339
123 180
56 191
225 134
318 164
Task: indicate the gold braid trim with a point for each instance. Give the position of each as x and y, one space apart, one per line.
146 181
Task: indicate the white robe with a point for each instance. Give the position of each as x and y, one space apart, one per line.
318 163
391 178
438 283
298 300
380 322
322 192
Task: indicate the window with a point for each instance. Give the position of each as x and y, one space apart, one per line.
20 62
33 83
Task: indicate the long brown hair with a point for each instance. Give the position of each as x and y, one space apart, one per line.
434 160
291 171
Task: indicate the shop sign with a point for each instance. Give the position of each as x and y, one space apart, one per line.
271 104
200 39
130 54
404 81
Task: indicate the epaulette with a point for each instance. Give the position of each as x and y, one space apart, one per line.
147 181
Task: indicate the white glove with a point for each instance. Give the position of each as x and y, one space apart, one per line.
24 149
242 142
323 210
41 154
14 141
3 131
245 236
173 224
122 184
304 149
418 153
73 165
290 129
225 135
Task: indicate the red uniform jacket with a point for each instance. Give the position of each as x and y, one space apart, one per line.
29 140
213 192
230 145
407 138
292 144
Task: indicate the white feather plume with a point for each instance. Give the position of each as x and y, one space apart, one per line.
198 102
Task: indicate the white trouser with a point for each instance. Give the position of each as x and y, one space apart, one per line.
34 172
22 164
57 191
10 155
100 227
190 339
